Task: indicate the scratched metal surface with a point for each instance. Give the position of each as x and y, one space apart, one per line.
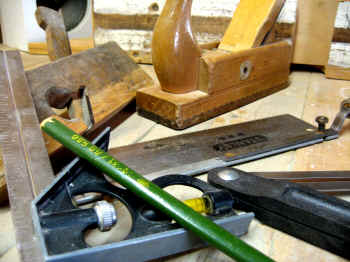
27 165
224 146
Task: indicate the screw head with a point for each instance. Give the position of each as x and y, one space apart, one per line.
322 120
245 69
106 214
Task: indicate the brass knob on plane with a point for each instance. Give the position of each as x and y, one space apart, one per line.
175 52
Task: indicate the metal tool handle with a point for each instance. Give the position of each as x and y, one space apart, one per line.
327 182
341 116
295 209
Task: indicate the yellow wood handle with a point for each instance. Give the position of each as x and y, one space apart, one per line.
175 53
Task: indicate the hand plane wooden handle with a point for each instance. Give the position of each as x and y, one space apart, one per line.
56 36
175 53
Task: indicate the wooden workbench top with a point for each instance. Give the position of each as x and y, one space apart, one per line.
308 96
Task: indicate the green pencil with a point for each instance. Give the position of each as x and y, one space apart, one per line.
154 195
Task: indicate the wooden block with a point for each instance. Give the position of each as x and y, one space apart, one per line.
250 24
338 66
337 72
225 89
314 31
220 71
77 46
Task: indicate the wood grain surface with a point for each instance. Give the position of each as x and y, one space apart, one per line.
337 72
200 24
77 45
27 167
56 36
28 62
221 87
308 95
314 31
246 31
107 72
131 22
338 66
175 52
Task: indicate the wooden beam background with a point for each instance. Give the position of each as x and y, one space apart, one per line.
214 25
130 23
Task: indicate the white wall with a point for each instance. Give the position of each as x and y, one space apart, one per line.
12 23
33 32
19 26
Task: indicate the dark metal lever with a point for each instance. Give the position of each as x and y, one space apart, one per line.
295 209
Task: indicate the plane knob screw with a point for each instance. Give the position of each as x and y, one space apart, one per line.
322 121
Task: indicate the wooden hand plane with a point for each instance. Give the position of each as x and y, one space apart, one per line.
109 76
198 83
